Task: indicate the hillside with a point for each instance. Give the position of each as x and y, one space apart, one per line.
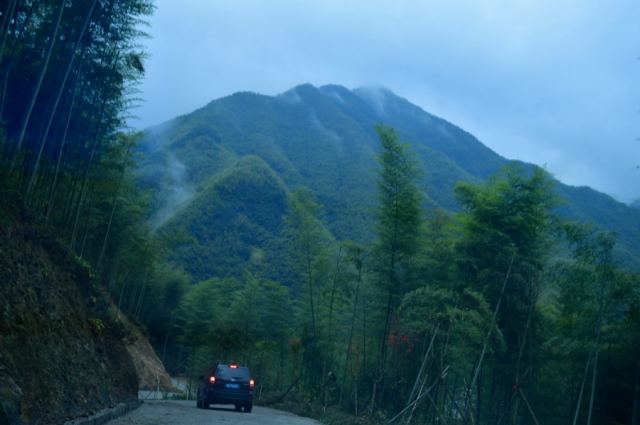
203 165
246 203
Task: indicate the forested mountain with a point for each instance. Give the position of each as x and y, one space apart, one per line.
324 139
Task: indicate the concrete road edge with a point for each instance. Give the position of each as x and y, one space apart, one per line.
106 415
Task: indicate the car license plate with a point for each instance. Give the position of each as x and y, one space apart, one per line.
233 385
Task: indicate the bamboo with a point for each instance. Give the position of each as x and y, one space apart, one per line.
57 98
597 349
326 342
36 89
533 416
424 362
86 226
440 378
353 318
144 285
14 41
634 413
113 207
166 339
484 348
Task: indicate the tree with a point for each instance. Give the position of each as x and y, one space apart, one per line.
507 225
308 254
591 278
398 221
277 324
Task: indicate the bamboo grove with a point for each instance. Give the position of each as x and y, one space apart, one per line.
502 313
68 77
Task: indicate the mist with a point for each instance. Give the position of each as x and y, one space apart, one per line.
174 191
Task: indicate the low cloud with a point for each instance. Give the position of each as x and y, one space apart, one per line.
291 97
331 135
335 95
174 189
374 97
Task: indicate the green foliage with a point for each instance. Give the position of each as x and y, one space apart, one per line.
512 208
463 320
227 318
308 260
97 326
398 213
507 226
234 223
307 238
398 224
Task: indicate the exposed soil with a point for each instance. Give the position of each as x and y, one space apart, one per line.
61 354
150 370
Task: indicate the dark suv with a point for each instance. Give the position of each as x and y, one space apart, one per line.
226 384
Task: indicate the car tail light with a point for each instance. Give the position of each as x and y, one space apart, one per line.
251 384
212 379
233 366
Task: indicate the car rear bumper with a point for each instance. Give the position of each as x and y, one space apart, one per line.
228 397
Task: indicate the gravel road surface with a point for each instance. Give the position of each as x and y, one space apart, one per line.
178 412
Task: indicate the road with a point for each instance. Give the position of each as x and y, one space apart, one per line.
179 412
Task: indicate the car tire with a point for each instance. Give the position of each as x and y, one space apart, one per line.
248 407
198 404
238 407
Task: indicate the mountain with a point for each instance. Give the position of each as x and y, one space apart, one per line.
223 171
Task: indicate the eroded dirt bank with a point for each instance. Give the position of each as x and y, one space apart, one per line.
61 354
151 372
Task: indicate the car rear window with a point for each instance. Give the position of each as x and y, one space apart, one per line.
228 373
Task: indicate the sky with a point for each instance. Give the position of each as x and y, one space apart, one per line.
551 82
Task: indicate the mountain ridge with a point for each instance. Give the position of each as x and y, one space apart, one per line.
324 138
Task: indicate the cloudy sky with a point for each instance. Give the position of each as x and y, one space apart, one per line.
553 82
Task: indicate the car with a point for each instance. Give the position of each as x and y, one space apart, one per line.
226 384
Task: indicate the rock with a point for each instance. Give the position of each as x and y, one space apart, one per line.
10 396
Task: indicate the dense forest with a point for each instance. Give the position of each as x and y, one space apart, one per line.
501 313
477 299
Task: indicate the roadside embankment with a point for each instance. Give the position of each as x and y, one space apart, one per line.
150 371
62 356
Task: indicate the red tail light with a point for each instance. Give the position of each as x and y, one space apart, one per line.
212 379
251 384
233 366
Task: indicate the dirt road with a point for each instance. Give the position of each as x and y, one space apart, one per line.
174 412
